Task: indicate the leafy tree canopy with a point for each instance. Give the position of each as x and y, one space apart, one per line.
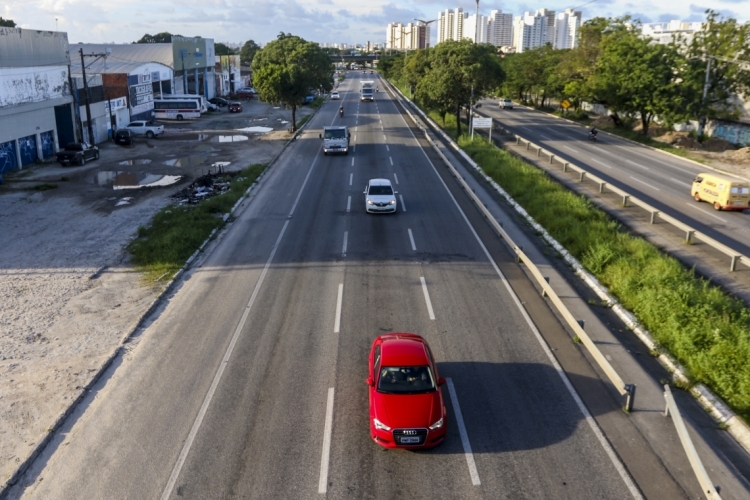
248 51
164 37
286 69
7 23
222 49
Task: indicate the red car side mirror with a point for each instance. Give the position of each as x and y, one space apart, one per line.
370 381
441 381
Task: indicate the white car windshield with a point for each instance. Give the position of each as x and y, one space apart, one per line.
380 190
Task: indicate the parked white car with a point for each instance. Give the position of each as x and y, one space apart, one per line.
380 196
147 128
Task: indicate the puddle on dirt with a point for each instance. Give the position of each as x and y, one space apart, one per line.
230 138
134 180
262 130
203 148
141 161
184 137
187 161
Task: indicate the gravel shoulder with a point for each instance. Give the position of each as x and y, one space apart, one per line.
68 294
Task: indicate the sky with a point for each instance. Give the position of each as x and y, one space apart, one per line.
322 21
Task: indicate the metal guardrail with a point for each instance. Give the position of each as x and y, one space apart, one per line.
627 390
695 462
690 232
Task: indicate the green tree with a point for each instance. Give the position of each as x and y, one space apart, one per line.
726 43
222 49
248 51
164 37
286 69
7 23
635 76
456 69
415 67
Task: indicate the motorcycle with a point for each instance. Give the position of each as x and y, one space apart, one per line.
341 112
377 89
592 136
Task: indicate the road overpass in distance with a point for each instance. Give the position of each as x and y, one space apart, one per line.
355 59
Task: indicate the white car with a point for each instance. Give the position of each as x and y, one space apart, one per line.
335 95
506 104
380 196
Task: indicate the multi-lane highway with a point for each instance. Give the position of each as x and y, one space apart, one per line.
250 383
661 180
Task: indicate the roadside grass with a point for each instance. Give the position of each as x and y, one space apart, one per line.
706 329
303 120
177 231
317 102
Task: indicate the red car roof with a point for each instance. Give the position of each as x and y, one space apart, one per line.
403 349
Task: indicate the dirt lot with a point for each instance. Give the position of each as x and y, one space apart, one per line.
67 294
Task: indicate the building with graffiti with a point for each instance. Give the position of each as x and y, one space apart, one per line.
36 103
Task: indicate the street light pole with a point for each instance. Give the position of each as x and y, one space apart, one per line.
471 100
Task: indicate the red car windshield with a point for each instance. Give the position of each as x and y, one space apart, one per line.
406 380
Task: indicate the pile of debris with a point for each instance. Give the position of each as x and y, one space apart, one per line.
204 187
742 154
716 145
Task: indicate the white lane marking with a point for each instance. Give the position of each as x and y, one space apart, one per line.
351 177
681 183
387 148
600 163
636 164
411 238
339 300
427 298
464 435
395 177
352 162
384 137
618 465
403 207
391 160
545 137
571 149
323 481
355 138
346 237
526 128
706 213
644 182
349 204
217 377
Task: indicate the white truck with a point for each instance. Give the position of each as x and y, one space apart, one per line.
335 140
367 90
147 128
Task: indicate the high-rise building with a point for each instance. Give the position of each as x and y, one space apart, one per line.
664 32
409 37
450 25
500 29
549 30
567 25
471 30
529 31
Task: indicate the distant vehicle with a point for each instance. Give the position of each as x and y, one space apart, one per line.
204 104
235 107
246 92
723 192
174 109
405 395
335 140
366 90
147 128
335 95
77 152
124 136
506 104
219 101
380 196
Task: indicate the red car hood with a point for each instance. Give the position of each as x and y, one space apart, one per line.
407 410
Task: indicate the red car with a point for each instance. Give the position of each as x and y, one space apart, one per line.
406 402
235 107
245 92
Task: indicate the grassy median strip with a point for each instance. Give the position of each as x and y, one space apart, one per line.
706 329
177 231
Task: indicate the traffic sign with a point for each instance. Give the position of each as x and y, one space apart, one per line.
565 104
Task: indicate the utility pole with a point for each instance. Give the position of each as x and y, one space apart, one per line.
88 98
702 121
471 100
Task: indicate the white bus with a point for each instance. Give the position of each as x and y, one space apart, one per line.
181 97
176 109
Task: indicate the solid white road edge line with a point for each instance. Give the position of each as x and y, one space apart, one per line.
217 377
411 238
427 298
339 299
323 481
346 237
587 416
349 203
403 206
464 435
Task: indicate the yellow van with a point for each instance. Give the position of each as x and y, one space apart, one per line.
723 192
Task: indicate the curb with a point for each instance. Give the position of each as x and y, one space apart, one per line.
60 420
713 405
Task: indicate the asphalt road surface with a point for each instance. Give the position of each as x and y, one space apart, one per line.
251 381
661 180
